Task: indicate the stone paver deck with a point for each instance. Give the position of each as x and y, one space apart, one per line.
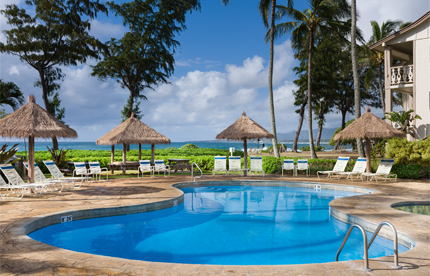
20 254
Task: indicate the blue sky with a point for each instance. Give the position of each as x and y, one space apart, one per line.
221 70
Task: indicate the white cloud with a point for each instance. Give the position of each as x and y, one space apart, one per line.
105 30
382 10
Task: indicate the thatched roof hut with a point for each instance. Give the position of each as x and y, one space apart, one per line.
132 131
369 127
33 121
244 128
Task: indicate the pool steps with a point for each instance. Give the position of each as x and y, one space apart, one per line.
366 246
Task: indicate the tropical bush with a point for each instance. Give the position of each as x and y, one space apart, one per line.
409 152
308 148
189 146
410 171
7 154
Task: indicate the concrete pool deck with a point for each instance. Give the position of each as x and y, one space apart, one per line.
20 254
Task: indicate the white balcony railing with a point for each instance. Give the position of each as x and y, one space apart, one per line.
402 75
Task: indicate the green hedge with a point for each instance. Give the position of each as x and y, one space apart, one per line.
271 165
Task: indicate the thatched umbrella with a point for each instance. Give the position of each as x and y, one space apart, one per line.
32 121
368 127
244 128
132 131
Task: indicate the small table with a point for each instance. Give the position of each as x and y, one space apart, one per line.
179 164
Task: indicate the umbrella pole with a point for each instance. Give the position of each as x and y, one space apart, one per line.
140 151
124 157
31 159
245 158
368 167
112 157
152 154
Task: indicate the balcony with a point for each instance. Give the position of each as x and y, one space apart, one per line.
402 76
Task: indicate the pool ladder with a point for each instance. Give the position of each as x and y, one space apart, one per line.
193 179
366 247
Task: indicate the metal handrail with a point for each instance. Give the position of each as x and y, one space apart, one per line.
365 251
192 171
395 240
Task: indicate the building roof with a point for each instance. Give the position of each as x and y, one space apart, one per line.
378 46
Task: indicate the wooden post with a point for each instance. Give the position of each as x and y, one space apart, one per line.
152 154
112 158
245 158
31 159
140 151
368 167
124 157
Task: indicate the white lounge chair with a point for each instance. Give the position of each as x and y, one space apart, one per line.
145 166
359 168
338 167
40 177
15 180
96 170
160 166
57 174
234 164
81 170
302 165
220 165
256 165
383 171
287 165
7 189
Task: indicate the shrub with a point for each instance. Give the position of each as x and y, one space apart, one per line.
272 165
410 171
189 146
308 148
409 152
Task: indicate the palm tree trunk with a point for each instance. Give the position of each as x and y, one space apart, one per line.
381 92
342 127
46 103
299 128
320 128
272 106
311 138
357 98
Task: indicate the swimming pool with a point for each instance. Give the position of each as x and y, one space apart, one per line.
231 225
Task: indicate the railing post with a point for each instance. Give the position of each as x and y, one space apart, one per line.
395 240
365 247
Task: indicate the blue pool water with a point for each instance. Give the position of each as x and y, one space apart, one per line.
230 225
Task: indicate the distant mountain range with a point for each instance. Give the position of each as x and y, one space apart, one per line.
326 135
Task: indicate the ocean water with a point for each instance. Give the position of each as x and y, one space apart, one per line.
42 146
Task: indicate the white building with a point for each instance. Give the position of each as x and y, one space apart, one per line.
407 70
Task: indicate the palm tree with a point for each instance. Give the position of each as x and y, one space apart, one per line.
357 98
10 94
374 59
323 16
264 9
